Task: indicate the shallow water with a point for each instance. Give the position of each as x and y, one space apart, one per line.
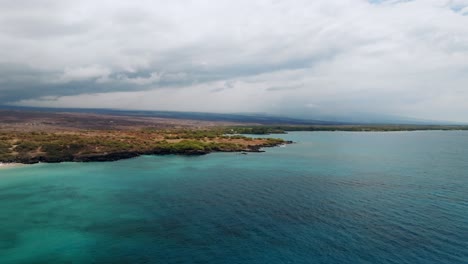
334 197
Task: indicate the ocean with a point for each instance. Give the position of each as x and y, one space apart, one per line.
332 197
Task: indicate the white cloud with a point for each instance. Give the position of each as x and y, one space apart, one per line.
84 73
392 57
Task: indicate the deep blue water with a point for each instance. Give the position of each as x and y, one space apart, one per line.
333 197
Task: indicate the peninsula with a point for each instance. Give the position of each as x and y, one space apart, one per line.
32 137
46 136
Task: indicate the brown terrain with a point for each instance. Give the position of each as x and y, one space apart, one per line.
30 137
30 121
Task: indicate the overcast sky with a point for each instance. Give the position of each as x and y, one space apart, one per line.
294 57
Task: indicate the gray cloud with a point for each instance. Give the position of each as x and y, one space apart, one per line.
331 57
285 88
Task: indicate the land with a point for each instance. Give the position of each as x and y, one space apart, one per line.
9 165
32 137
283 129
37 136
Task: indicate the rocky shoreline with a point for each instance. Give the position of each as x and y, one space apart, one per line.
114 156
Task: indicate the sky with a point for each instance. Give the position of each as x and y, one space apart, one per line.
297 58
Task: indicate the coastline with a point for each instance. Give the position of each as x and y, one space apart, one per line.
10 165
111 145
120 155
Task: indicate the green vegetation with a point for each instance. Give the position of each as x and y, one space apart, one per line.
31 147
194 146
5 152
256 130
265 130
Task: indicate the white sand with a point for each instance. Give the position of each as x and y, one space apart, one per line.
9 165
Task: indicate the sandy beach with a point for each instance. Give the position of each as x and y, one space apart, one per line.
10 165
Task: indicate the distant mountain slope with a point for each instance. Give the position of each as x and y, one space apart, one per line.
356 119
243 118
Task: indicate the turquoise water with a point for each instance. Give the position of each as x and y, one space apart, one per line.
334 197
